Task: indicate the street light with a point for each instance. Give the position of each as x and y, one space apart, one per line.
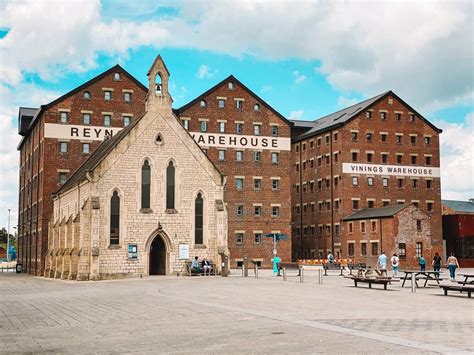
8 237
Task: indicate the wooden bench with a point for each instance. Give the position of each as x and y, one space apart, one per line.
459 288
371 280
333 266
204 272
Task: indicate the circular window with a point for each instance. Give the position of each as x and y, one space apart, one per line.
203 103
87 95
159 139
256 107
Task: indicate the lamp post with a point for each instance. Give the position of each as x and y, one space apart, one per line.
8 237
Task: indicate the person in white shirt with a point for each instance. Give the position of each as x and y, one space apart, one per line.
382 261
395 262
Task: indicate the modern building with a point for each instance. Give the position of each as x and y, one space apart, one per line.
145 201
56 139
458 230
377 153
250 143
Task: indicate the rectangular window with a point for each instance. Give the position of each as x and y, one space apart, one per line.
383 137
362 227
126 121
350 249
399 183
363 249
429 184
399 158
275 131
275 184
239 104
258 211
398 138
427 160
413 139
239 210
275 158
107 120
62 178
385 182
414 183
427 140
239 128
63 117
257 238
256 129
239 184
354 156
355 204
383 115
221 155
355 181
63 147
370 204
419 249
107 95
86 118
239 155
412 117
354 136
86 148
384 158
418 225
368 114
398 116
375 249
185 124
239 238
275 211
351 227
221 127
429 206
318 141
127 96
203 126
402 250
369 157
369 135
257 184
221 103
385 203
373 226
413 159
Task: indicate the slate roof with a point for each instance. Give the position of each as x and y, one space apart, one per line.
78 89
28 111
302 123
339 118
381 212
96 157
235 80
459 206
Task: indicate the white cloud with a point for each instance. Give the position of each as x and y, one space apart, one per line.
296 115
457 157
203 72
346 102
266 88
299 78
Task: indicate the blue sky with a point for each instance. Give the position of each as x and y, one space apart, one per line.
305 58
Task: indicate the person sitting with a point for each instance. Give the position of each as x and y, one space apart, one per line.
206 265
330 258
195 265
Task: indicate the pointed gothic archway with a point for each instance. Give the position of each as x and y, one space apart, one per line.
157 256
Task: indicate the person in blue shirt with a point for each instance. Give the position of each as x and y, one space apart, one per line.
382 261
330 257
276 261
195 265
422 263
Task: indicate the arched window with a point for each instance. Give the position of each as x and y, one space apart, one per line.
114 218
158 84
116 76
87 95
170 186
146 178
202 103
198 219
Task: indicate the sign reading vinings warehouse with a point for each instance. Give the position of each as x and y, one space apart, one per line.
60 131
390 170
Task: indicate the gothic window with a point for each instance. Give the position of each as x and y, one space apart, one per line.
170 171
198 219
146 177
158 84
114 218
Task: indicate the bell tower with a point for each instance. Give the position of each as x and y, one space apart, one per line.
158 97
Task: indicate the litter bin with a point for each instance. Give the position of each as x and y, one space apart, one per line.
18 268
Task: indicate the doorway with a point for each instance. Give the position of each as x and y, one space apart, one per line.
157 257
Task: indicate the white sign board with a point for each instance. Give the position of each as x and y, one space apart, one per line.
183 251
241 141
390 170
94 133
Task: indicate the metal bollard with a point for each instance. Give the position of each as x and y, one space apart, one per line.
284 274
320 276
243 271
413 283
256 271
301 274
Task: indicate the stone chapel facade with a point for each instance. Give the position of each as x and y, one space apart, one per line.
147 200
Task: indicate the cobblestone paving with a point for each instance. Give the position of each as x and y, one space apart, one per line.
232 315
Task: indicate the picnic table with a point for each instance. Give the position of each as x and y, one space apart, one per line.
466 279
427 275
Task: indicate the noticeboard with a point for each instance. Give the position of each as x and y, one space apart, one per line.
132 251
183 251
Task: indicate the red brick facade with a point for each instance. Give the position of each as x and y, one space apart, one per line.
322 194
249 196
41 161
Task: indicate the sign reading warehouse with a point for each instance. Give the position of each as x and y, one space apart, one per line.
390 170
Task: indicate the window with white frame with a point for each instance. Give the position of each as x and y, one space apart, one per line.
274 131
221 155
275 211
239 238
256 129
239 155
63 147
257 211
239 183
127 96
221 127
257 184
275 159
86 118
275 184
257 156
239 210
107 95
185 124
63 116
86 147
126 120
257 238
239 104
203 126
107 120
221 103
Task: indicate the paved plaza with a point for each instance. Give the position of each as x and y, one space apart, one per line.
229 315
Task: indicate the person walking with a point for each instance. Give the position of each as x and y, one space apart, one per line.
382 261
436 263
453 264
395 262
422 263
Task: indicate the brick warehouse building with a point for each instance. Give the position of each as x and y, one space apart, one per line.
249 142
377 153
57 138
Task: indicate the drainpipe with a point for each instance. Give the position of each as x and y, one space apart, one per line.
301 200
332 190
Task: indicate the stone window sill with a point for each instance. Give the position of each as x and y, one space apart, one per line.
114 246
171 211
146 210
200 246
